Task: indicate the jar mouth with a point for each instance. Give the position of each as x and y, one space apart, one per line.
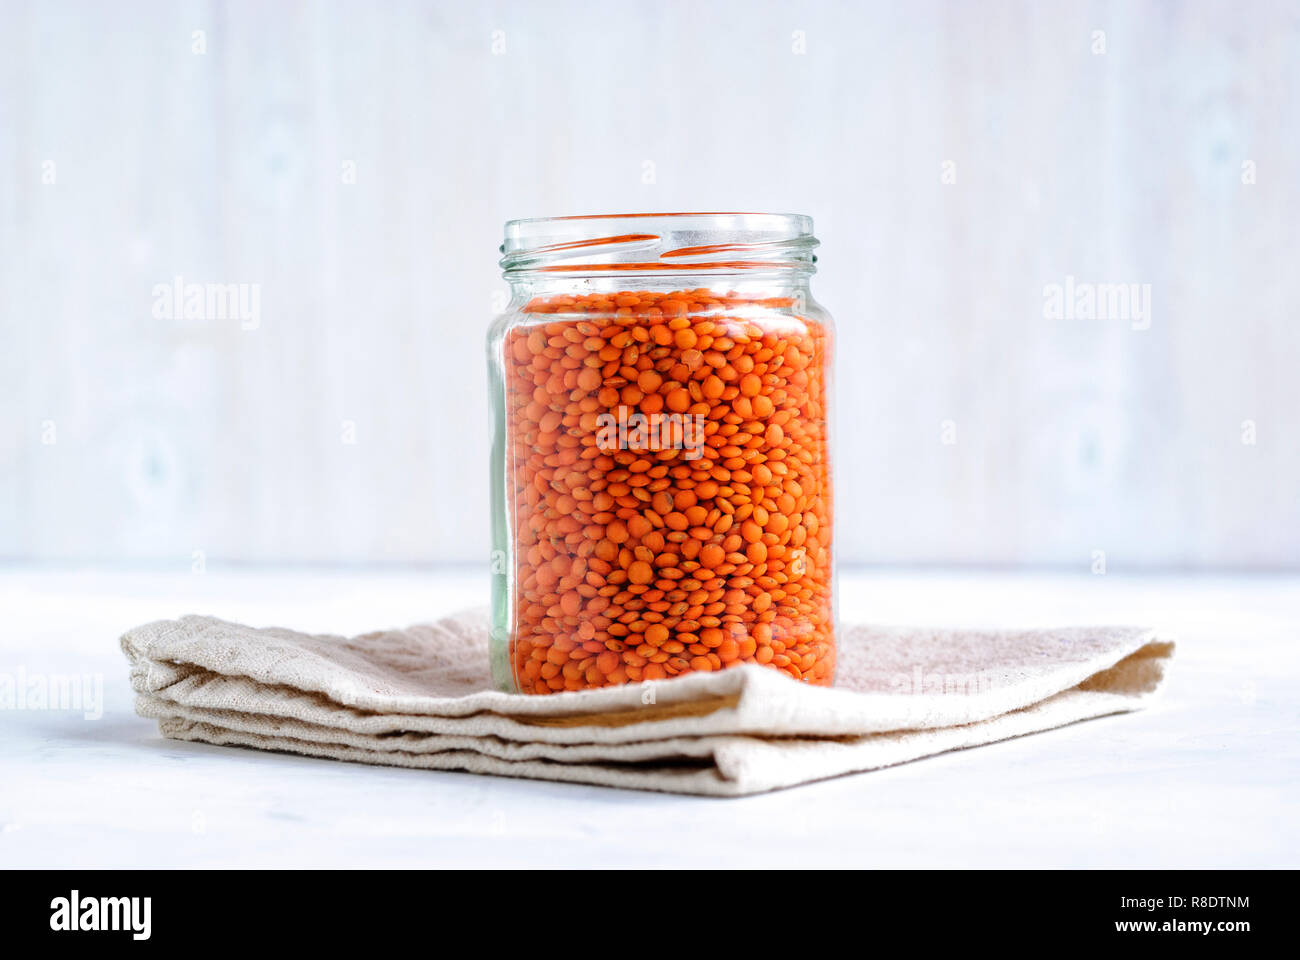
659 243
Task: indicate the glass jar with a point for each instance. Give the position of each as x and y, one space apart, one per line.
661 484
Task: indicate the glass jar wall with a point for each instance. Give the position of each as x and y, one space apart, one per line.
661 468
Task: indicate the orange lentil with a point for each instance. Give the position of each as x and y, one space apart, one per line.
679 400
695 536
712 555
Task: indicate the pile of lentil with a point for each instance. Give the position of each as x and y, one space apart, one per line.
641 563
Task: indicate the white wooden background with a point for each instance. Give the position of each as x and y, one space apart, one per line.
128 438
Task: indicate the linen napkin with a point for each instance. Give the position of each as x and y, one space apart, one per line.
423 697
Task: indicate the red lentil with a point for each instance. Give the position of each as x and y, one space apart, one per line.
642 561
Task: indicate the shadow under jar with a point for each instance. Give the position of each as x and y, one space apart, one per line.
661 484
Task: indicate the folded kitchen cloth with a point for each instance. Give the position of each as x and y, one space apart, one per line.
423 697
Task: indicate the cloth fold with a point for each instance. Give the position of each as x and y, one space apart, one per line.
423 697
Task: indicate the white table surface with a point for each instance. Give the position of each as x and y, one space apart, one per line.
1205 778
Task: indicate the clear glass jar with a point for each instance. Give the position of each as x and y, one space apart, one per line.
661 484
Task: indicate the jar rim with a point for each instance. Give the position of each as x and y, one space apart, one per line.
659 243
